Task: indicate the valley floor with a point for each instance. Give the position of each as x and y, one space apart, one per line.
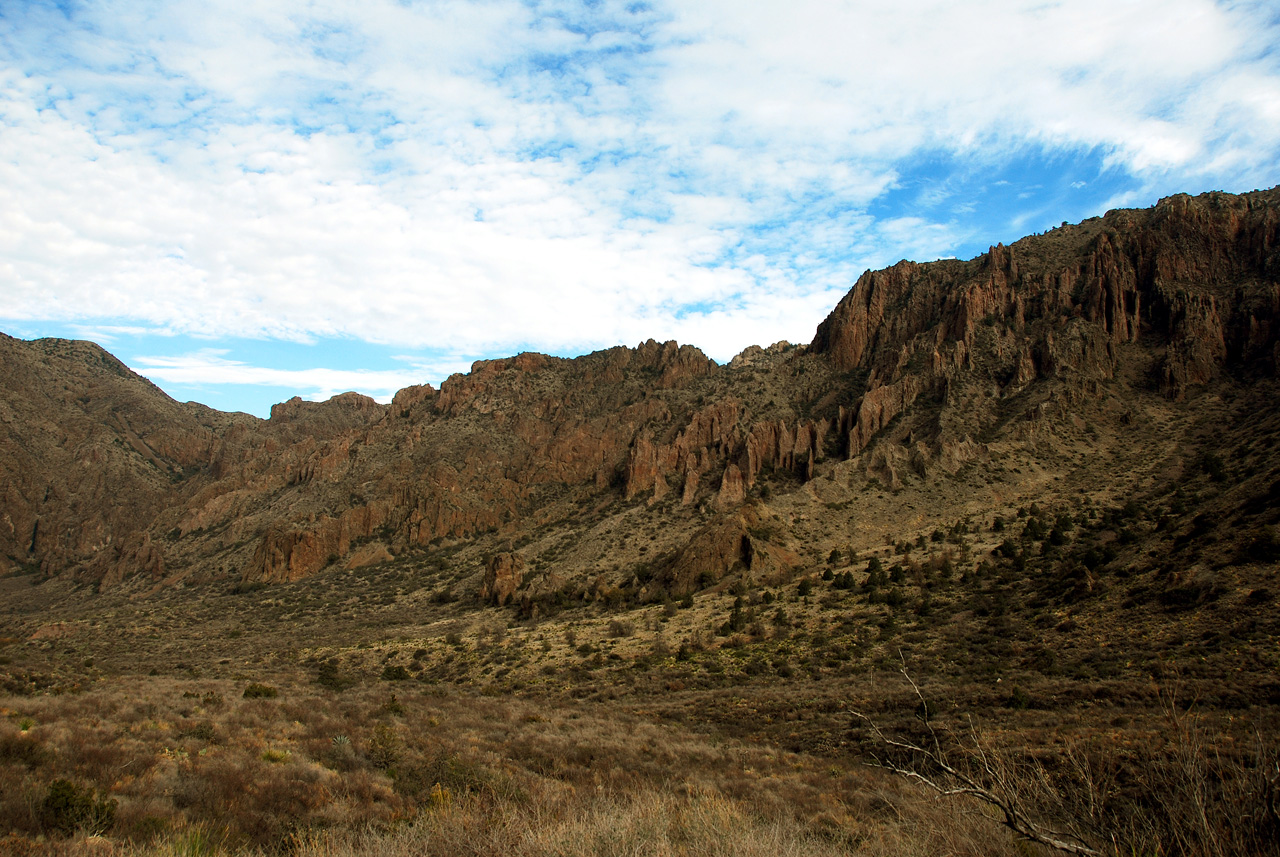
264 722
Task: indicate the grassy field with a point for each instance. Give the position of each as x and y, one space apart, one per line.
745 722
174 766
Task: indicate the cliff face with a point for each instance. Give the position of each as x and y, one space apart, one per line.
918 370
1194 280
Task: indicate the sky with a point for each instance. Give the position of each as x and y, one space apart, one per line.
250 201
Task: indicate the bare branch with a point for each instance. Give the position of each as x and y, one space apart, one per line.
996 789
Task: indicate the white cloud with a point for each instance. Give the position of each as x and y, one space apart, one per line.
479 175
209 367
1148 79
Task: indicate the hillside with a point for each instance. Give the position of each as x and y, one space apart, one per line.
1047 480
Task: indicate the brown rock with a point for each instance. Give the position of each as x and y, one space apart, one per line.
502 577
733 488
373 553
736 543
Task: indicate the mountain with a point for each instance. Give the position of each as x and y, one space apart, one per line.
1057 351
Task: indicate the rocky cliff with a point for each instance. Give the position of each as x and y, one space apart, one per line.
919 371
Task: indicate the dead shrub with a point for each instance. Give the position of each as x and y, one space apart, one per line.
1178 794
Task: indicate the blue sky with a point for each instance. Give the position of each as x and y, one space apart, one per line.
246 202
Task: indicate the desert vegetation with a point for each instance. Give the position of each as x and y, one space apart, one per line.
169 766
753 720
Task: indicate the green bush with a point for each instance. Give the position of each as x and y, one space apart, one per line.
328 675
395 672
384 747
260 691
67 808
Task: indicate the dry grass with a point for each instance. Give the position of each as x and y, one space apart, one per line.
195 768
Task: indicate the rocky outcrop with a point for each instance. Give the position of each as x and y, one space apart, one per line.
286 554
139 556
738 543
710 436
502 578
1197 276
714 439
319 420
733 488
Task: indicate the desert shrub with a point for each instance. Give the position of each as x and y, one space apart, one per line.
621 628
1213 466
384 746
1259 596
19 748
201 731
1034 530
1189 595
395 672
68 807
432 778
260 691
1018 699
280 800
1185 791
1262 545
329 675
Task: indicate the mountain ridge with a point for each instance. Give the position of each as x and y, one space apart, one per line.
917 370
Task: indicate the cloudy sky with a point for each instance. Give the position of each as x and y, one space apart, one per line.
249 201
